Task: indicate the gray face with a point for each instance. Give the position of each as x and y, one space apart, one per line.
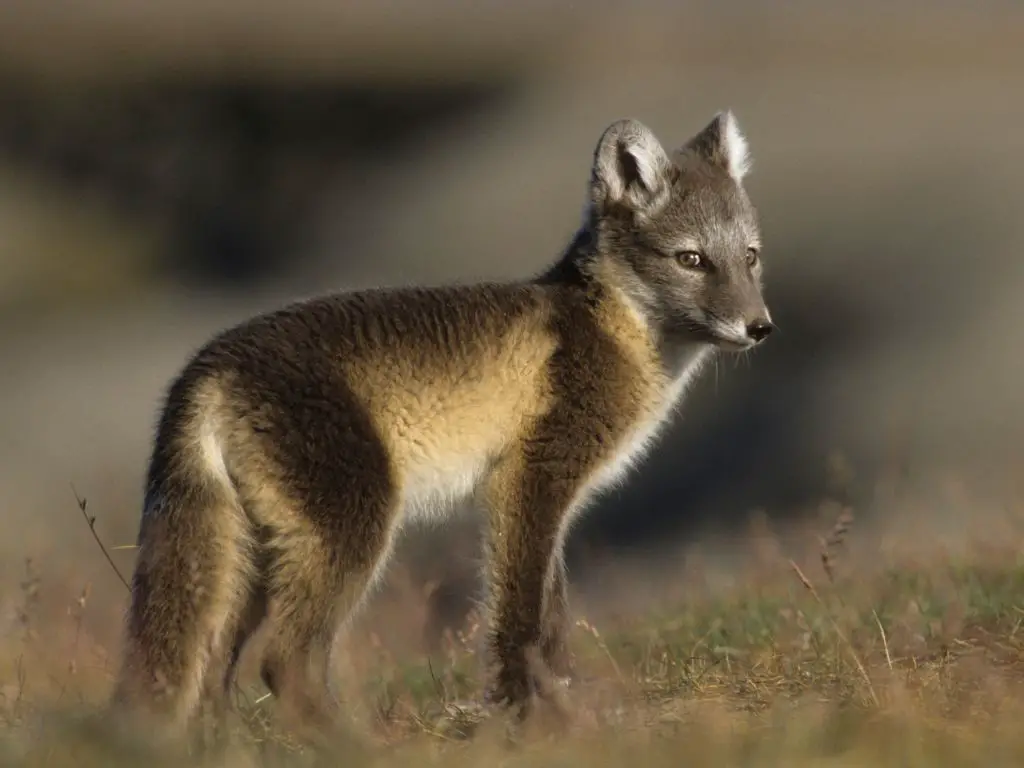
684 234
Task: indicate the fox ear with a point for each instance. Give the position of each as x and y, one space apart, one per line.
631 168
722 143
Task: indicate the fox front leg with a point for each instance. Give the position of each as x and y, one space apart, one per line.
528 617
556 624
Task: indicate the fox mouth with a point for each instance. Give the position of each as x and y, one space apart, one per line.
727 336
733 343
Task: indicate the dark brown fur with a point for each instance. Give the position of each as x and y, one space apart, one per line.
293 447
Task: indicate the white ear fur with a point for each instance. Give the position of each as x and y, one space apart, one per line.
734 147
644 185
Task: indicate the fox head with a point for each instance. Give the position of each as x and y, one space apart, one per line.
677 233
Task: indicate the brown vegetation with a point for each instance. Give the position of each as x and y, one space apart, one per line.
841 639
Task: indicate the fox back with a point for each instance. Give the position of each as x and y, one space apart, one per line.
293 447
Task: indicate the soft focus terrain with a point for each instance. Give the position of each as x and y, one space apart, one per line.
837 641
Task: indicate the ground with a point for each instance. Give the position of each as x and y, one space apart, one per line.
837 642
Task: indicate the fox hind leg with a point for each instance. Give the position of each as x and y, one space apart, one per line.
321 565
223 669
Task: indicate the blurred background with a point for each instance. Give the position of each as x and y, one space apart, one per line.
169 168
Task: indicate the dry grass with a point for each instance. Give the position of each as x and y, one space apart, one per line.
821 647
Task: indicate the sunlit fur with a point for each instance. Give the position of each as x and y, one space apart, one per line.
292 448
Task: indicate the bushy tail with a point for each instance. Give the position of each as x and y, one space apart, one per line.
191 580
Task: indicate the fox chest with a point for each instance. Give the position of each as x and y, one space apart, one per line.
639 438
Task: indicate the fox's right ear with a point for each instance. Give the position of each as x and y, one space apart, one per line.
631 168
722 143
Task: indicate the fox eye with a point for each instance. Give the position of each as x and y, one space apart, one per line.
691 259
753 256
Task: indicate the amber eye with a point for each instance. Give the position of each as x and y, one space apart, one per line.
690 259
753 256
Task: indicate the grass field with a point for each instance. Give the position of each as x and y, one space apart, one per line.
840 643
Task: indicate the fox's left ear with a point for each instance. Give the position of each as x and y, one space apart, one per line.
723 144
631 168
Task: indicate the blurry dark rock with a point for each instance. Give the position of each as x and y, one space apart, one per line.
231 171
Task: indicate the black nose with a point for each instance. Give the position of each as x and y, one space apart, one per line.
759 329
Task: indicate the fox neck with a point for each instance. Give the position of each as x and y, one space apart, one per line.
582 268
572 269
